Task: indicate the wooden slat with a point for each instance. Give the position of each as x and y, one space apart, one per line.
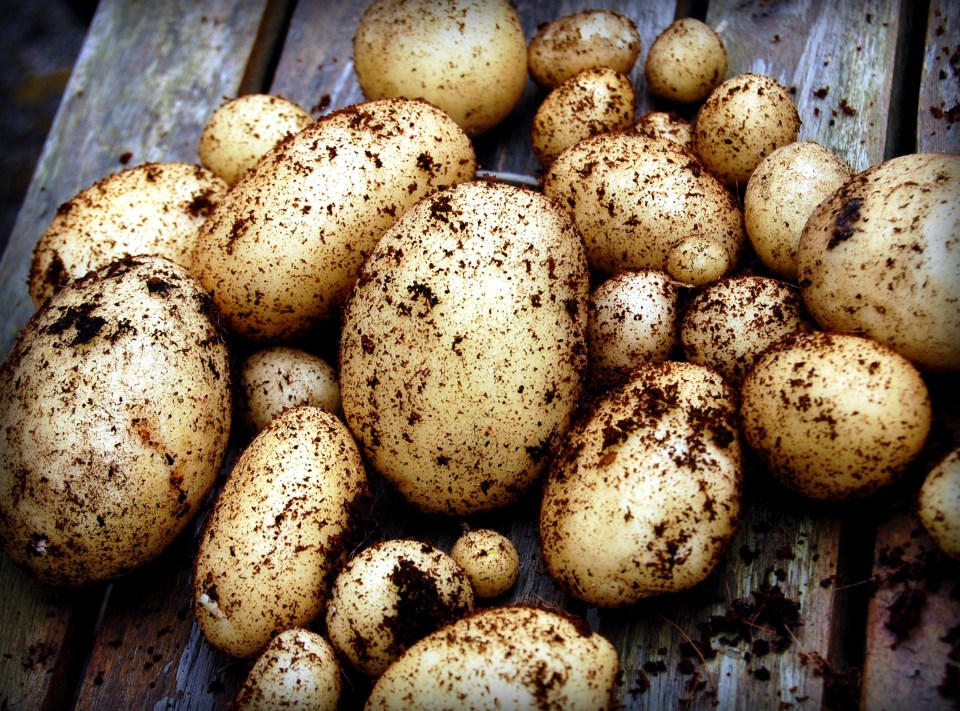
938 112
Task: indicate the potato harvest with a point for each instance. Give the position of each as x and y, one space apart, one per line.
491 354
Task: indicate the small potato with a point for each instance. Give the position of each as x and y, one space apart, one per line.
591 102
390 596
275 379
298 670
881 257
643 496
154 208
503 658
290 510
686 61
468 57
489 559
730 323
584 40
939 504
634 318
835 416
781 195
242 130
698 261
743 121
665 124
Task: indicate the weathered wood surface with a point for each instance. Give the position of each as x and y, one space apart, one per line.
148 78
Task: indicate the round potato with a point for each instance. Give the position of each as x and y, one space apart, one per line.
242 130
834 416
489 559
503 658
637 199
463 346
390 596
101 467
643 497
743 121
280 377
154 208
280 529
469 57
781 195
584 40
881 257
665 124
686 61
284 247
591 102
298 670
939 504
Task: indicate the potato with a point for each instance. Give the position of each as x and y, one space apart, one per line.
589 39
644 493
390 596
100 467
489 559
240 131
686 61
665 124
698 261
781 195
636 200
298 670
591 102
468 57
834 416
939 504
743 121
284 247
881 257
634 318
276 378
279 531
503 658
463 346
729 324
154 208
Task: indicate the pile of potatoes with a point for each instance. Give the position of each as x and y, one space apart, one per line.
599 337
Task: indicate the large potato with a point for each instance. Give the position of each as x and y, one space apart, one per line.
114 417
644 494
881 257
463 346
281 251
280 528
503 658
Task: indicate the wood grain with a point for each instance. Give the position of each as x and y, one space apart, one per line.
938 110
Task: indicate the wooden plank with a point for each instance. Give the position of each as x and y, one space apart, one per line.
938 112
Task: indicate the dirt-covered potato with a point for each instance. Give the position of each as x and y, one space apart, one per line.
781 195
730 323
568 45
588 103
298 670
469 57
644 494
939 504
101 467
637 200
834 416
280 377
280 529
283 248
464 345
881 257
503 658
489 559
665 124
744 120
241 130
390 596
154 208
633 318
686 61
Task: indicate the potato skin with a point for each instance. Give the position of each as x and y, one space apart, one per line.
463 346
100 468
280 529
686 61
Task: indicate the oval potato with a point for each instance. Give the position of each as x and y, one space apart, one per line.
939 504
489 559
686 61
